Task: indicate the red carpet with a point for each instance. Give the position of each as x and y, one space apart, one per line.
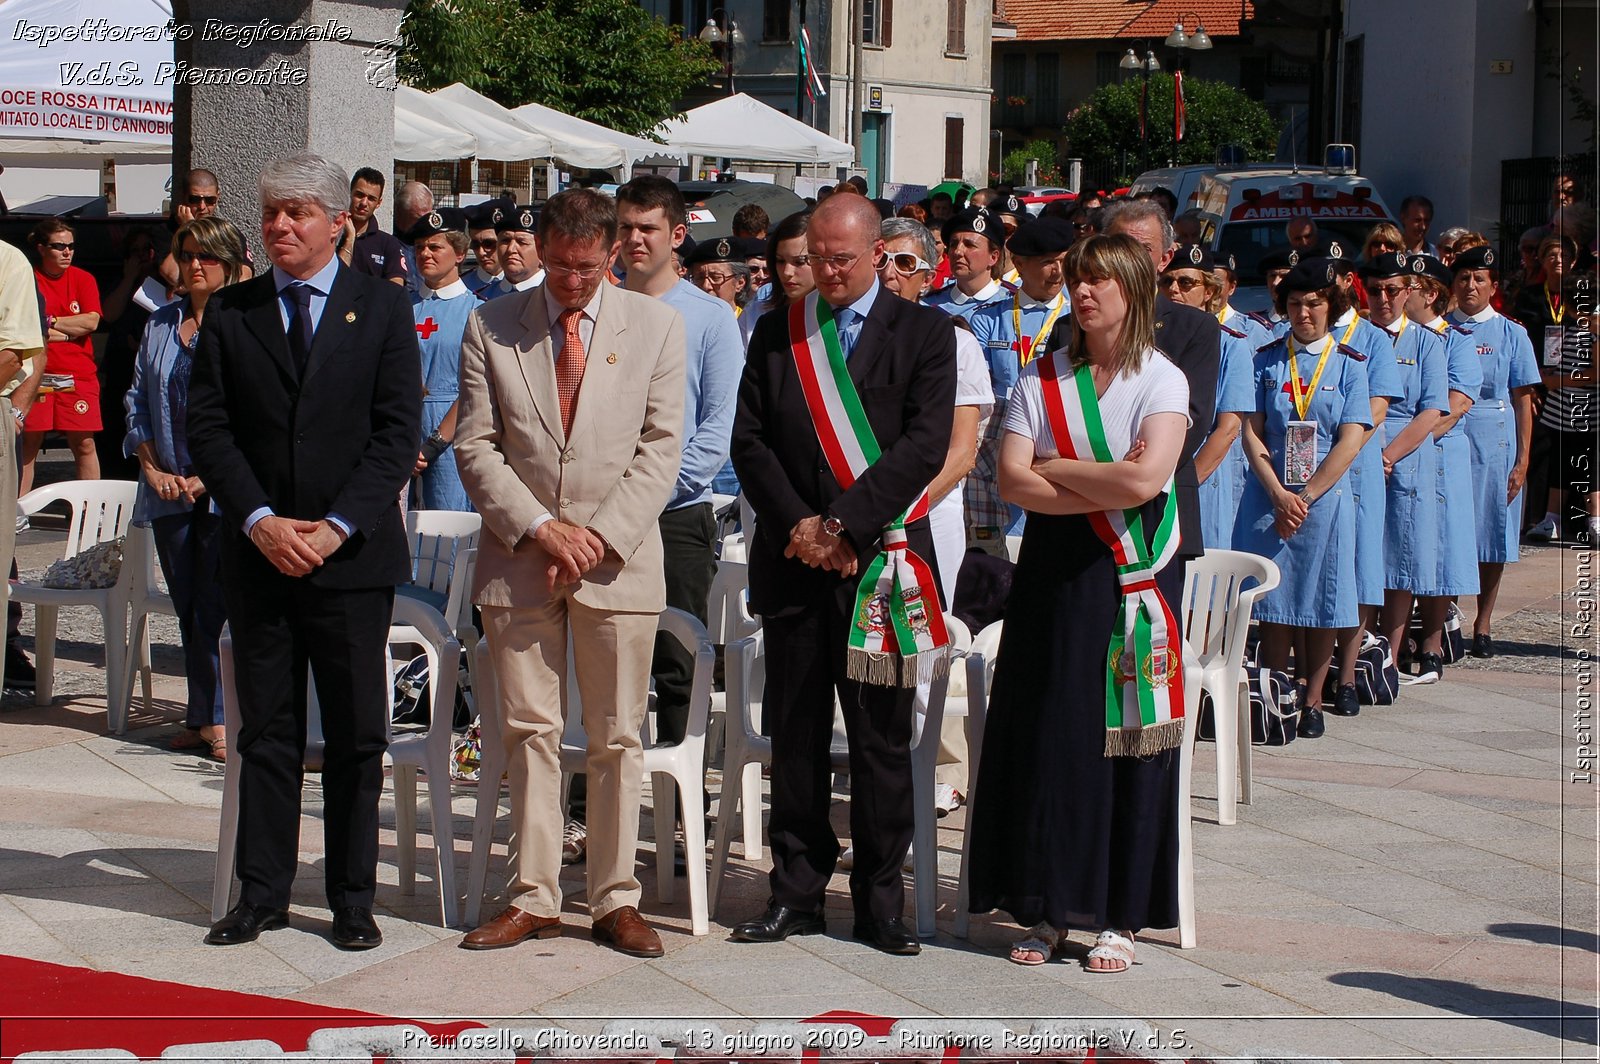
53 1007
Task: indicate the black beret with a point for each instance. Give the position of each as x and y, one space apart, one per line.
1432 267
686 248
1480 258
1329 246
1311 275
724 249
1044 236
1394 264
481 215
508 219
979 221
1192 257
438 220
1279 259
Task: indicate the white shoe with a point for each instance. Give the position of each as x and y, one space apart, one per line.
1544 531
946 800
847 860
574 842
22 523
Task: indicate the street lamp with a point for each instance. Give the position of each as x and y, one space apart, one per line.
1146 66
723 41
1198 41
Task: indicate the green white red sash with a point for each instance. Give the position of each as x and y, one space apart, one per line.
1144 666
898 636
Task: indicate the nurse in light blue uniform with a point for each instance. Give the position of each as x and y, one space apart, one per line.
1316 593
1038 306
1457 571
1274 266
1411 511
439 241
1257 332
1499 427
973 241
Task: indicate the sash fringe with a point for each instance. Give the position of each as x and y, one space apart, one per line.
1145 741
890 669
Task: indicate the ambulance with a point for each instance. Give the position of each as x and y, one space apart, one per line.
1246 212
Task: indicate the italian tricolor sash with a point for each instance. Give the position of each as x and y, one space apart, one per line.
1144 667
898 636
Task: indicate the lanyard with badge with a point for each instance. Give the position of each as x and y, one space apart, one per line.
1554 335
1300 436
1025 350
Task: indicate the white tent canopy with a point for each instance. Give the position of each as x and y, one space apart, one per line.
587 144
740 127
501 138
417 137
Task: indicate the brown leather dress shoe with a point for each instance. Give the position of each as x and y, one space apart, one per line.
510 927
625 931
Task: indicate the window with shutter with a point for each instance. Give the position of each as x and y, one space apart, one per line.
954 133
956 27
888 23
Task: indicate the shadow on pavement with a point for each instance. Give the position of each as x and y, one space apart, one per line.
1546 1016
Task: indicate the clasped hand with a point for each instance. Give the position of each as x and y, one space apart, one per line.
1290 512
293 546
575 551
814 547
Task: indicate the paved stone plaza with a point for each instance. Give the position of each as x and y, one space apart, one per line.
1418 884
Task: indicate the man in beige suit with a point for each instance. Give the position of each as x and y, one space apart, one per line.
569 432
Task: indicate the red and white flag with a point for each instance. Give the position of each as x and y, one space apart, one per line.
1177 105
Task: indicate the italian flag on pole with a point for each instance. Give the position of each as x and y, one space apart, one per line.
1177 105
809 78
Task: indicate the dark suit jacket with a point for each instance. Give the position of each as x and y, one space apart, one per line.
342 440
1192 339
904 367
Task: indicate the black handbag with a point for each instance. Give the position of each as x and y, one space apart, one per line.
412 695
1274 716
1377 676
1452 646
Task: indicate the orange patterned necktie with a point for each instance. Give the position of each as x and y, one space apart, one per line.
569 367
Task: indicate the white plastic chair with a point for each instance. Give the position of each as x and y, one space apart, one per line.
414 624
924 755
145 598
444 552
979 664
102 510
676 772
1216 612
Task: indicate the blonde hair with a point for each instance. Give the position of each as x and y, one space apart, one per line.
1388 233
1124 260
215 236
1469 240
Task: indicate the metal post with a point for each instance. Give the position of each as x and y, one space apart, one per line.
857 79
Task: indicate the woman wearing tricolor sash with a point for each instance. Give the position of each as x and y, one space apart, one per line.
1311 419
1075 818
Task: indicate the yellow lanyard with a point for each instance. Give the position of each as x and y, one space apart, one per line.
1298 391
1222 315
1558 309
1405 323
1025 350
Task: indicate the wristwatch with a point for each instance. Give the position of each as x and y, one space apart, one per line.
832 525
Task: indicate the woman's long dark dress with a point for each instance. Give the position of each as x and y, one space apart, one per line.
1062 833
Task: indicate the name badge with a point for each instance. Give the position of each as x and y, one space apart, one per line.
1299 453
1554 336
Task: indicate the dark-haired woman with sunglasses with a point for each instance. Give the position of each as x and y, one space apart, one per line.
72 314
173 501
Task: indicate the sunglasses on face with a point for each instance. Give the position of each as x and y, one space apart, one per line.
906 263
1184 284
204 258
202 201
57 246
1390 291
485 245
714 279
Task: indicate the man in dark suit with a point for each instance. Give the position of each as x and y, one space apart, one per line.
305 408
1192 339
813 540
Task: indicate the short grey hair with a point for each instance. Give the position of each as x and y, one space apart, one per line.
747 291
899 228
1137 210
307 178
415 197
1456 232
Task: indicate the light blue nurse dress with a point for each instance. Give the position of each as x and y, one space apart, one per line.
1458 532
440 323
1506 357
1317 585
1220 492
1411 513
1366 472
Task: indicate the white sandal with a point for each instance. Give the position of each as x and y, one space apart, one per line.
1111 946
1042 939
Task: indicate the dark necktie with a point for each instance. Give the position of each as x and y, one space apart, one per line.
300 327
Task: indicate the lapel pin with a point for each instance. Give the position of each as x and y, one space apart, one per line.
350 317
611 359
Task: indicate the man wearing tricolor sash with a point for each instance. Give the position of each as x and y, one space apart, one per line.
844 418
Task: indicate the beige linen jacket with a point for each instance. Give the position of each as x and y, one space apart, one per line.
613 475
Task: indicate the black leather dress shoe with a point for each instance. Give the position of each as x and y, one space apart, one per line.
354 928
890 936
1310 723
1482 646
1346 703
244 923
778 923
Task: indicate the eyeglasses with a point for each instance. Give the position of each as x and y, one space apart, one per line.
586 274
1184 284
56 246
485 245
716 280
202 201
204 258
1389 291
906 263
834 263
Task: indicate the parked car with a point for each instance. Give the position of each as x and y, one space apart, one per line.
712 204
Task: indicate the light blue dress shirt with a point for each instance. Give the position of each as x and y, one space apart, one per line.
848 320
715 363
